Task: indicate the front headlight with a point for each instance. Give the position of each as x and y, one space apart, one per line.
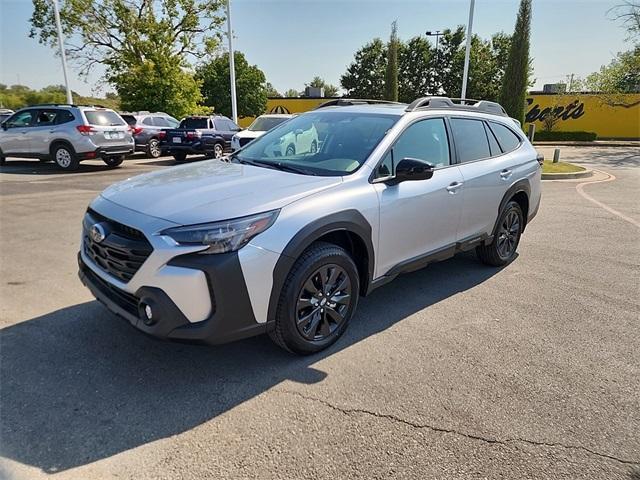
224 236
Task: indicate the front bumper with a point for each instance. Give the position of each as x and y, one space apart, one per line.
231 316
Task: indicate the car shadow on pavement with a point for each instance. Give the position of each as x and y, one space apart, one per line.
35 167
80 385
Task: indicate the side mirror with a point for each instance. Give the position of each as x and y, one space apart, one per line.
299 131
411 169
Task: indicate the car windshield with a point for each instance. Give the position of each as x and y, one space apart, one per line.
263 124
103 118
194 122
329 143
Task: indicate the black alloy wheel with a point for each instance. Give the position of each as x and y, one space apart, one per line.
502 249
323 302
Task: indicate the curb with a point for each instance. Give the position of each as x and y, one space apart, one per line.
567 176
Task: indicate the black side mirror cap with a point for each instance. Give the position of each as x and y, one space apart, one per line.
411 169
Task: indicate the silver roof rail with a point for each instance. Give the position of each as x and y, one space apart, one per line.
467 104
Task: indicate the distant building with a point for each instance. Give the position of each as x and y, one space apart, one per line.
314 92
554 88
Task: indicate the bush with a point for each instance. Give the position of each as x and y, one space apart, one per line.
544 136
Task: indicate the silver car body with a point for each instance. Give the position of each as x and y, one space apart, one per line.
458 205
36 137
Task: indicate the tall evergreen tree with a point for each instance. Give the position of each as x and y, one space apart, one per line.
516 75
391 75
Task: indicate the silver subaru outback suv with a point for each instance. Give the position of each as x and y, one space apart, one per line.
285 244
66 134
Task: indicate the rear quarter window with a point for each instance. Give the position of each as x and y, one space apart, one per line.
64 116
507 139
103 118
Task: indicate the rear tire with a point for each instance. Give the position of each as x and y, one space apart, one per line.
113 162
502 249
180 157
65 157
153 148
318 299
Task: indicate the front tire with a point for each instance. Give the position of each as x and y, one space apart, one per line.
318 299
502 250
218 150
65 157
113 162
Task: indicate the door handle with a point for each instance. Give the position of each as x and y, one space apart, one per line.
505 174
453 188
53 131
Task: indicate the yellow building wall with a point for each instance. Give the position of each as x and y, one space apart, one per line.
588 113
582 112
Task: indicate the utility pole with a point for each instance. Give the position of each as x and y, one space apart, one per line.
232 66
467 52
570 84
56 12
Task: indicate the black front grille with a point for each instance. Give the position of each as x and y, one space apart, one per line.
124 300
244 141
123 250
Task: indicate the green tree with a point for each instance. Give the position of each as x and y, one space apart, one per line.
250 85
516 75
142 44
271 90
329 90
415 70
391 73
364 77
612 82
291 93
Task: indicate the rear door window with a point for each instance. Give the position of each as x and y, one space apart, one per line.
103 118
508 140
160 122
493 143
46 117
471 139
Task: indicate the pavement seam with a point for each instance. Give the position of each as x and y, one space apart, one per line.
492 441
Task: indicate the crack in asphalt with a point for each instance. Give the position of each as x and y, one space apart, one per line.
505 442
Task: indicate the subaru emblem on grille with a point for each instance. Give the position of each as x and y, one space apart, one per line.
97 233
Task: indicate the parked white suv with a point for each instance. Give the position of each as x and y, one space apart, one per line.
258 127
217 251
66 134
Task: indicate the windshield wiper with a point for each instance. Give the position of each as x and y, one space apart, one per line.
274 165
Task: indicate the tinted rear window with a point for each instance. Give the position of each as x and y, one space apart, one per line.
190 123
130 119
103 118
471 139
506 138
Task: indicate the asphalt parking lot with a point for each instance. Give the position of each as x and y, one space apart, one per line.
455 371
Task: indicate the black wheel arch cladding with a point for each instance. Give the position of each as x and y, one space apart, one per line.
521 186
350 221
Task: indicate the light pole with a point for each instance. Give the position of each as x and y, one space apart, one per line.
436 34
62 54
232 66
467 52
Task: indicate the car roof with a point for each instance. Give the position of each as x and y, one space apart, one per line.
277 115
385 108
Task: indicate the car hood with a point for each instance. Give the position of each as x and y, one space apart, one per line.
213 190
250 134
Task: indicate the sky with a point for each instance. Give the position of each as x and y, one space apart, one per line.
294 40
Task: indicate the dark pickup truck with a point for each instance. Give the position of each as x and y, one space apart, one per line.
200 135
